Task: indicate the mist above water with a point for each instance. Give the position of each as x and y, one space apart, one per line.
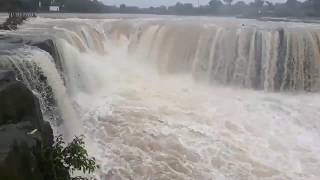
176 98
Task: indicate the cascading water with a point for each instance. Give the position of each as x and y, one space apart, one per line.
247 56
179 98
37 70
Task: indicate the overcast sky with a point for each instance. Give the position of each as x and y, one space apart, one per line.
148 3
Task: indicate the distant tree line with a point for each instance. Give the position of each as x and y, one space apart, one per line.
18 5
43 5
256 8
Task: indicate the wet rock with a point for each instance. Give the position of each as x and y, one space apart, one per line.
12 23
23 132
17 152
45 43
17 103
49 46
7 76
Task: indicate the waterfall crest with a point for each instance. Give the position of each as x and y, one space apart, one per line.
269 59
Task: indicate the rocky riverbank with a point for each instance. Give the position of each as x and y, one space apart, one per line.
28 149
12 23
23 132
24 135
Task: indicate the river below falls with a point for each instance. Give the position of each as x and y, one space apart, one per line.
146 125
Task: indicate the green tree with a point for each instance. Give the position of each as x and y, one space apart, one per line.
215 4
61 160
83 6
293 4
60 2
316 5
186 8
240 5
228 2
258 4
122 6
269 5
45 3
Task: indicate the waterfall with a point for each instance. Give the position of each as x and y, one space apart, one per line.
37 70
250 57
179 98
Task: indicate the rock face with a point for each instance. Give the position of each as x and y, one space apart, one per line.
23 132
12 23
46 43
49 46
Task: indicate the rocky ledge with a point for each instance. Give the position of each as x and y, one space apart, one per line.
45 43
12 23
23 132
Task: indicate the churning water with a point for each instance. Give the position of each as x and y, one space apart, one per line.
181 98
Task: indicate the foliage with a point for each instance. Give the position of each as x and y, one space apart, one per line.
18 5
215 4
290 8
60 160
258 3
65 5
82 6
228 2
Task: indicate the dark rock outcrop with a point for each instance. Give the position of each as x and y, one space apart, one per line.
45 43
10 42
49 46
7 76
23 132
12 22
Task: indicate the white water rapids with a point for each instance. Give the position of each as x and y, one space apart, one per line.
184 98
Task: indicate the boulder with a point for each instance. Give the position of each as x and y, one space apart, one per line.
43 42
49 46
7 76
12 23
17 103
23 132
18 148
